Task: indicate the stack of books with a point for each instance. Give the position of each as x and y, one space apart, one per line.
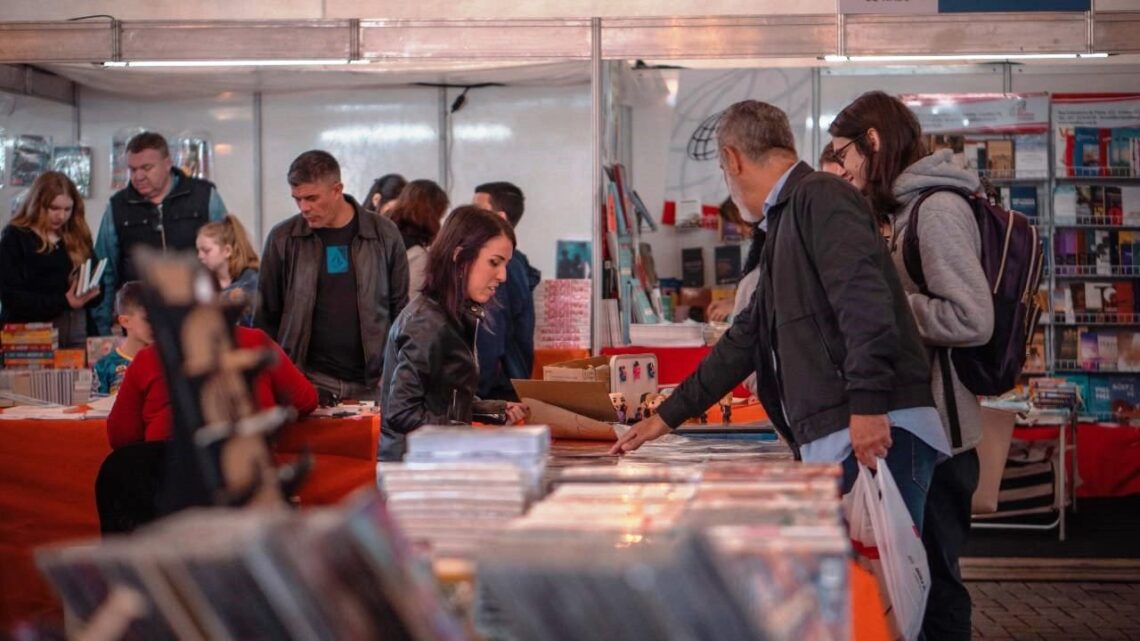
459 486
562 314
29 345
1104 205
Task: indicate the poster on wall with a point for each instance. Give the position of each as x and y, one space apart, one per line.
31 156
574 258
120 175
1097 135
75 163
193 154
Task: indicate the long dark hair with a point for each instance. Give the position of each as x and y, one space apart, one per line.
418 210
388 187
900 143
449 258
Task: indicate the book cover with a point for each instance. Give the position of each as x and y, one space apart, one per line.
1096 203
975 155
693 267
1063 304
1114 205
1023 199
1120 151
1078 291
70 359
1087 353
1125 248
1035 353
1103 253
1068 347
1065 144
999 158
1065 205
1130 204
1031 155
1086 151
1128 351
728 261
1084 204
1106 350
1105 137
1094 297
1123 296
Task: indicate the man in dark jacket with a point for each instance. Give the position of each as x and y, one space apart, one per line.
839 363
333 278
161 208
505 342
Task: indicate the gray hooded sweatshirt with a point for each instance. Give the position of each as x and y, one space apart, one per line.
959 312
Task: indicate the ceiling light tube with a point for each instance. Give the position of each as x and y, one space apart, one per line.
963 56
231 63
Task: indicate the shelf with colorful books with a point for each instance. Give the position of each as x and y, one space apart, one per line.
1082 272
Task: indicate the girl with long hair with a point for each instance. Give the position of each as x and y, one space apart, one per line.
430 372
225 250
41 252
879 142
417 213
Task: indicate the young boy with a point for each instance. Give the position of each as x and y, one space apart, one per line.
110 369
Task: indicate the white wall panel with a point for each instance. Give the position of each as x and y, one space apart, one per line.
370 132
227 119
33 116
539 139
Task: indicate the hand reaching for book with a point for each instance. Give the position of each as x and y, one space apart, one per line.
79 302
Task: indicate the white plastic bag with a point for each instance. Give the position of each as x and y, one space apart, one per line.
887 543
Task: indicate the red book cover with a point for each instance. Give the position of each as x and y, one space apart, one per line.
1105 141
1125 300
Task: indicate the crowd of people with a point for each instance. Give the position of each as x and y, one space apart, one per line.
431 315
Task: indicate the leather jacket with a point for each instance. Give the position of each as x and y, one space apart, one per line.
431 374
287 285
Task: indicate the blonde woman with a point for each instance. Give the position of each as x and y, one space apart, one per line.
225 250
41 252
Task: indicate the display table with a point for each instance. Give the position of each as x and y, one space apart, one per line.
1108 457
47 489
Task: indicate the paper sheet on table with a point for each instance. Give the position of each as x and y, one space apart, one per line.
24 412
566 424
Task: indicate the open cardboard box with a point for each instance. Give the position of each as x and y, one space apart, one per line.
588 398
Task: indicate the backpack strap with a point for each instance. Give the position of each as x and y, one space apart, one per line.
912 260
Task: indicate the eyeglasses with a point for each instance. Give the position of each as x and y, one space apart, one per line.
841 153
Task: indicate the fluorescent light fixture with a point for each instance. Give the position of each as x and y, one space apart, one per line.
232 63
964 56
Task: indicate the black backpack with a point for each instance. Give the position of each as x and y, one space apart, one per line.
1013 259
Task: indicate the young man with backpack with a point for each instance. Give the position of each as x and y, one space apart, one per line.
960 263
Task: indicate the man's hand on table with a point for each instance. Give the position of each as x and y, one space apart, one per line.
646 430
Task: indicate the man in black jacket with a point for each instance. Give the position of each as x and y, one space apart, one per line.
839 363
333 279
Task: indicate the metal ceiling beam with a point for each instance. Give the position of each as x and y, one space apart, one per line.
803 36
29 81
238 40
56 41
1010 33
693 38
475 39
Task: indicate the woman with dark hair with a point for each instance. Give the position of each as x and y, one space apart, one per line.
430 371
41 252
384 192
879 142
417 213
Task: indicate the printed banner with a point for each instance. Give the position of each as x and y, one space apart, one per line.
980 113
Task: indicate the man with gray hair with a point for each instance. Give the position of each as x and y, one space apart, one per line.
333 278
840 367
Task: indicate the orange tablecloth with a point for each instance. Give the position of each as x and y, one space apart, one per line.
47 489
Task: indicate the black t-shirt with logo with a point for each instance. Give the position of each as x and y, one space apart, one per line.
335 346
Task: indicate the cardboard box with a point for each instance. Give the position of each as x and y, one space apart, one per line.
596 369
588 398
70 359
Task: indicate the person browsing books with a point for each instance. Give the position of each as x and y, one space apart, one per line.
839 363
431 375
162 208
884 156
225 250
109 370
42 251
416 213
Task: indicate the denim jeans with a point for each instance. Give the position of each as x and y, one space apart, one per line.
911 462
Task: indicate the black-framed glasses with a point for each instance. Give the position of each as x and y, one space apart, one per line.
841 153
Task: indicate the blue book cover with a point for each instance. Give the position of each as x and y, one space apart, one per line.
1023 199
1086 151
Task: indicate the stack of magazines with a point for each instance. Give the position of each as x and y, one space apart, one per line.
261 574
772 528
460 486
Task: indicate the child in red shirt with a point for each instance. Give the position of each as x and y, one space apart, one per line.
142 410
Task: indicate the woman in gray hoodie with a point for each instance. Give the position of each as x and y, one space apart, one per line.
879 142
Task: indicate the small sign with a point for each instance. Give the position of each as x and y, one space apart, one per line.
965 6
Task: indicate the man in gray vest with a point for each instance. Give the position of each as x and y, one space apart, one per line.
161 208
